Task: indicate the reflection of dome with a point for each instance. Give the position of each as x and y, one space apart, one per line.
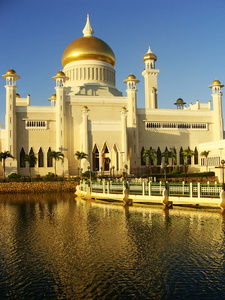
130 77
88 47
11 72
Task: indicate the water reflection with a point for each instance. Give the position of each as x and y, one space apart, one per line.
55 246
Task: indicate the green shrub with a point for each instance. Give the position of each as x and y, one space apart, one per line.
14 175
175 171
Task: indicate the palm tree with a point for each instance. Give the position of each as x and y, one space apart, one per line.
31 158
173 155
3 157
187 154
205 154
56 155
166 154
151 154
79 156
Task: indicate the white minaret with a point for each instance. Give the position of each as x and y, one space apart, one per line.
10 117
217 109
131 82
150 75
124 146
60 103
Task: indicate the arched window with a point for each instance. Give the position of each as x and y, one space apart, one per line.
159 157
32 162
40 158
142 159
196 156
151 162
166 157
49 159
105 158
95 158
189 158
181 156
22 156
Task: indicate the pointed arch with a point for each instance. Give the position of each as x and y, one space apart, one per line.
189 158
159 157
105 157
142 158
40 158
22 156
196 156
181 156
49 159
32 163
95 158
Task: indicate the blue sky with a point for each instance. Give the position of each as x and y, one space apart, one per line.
188 37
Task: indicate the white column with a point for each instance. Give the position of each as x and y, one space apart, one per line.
124 136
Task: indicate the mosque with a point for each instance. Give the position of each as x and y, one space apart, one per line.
87 113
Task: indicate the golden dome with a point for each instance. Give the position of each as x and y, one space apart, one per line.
130 77
53 96
87 48
60 74
149 55
216 82
11 72
85 107
17 95
123 108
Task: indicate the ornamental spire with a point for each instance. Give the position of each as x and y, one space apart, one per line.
149 50
88 31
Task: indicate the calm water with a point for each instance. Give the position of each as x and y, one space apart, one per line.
56 247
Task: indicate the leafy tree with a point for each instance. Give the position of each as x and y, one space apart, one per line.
3 156
79 156
31 158
205 154
173 155
151 154
166 154
56 155
187 154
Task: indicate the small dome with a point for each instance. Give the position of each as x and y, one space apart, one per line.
130 77
11 72
17 95
123 108
60 74
149 55
85 107
216 82
53 96
180 100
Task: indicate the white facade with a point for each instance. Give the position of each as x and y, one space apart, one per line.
88 113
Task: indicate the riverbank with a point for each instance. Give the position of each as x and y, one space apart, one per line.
37 187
